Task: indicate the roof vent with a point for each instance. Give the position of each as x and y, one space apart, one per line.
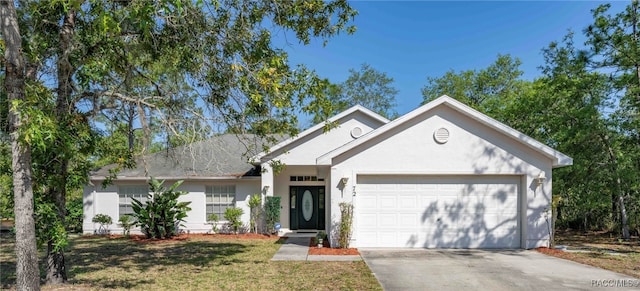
441 135
356 132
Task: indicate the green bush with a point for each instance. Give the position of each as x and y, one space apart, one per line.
272 212
162 214
213 219
74 215
104 221
232 215
346 222
254 206
127 222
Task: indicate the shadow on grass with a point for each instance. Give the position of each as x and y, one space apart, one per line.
94 255
7 274
88 255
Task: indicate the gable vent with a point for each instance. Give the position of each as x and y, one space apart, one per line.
441 135
356 132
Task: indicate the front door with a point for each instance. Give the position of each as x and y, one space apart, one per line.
306 207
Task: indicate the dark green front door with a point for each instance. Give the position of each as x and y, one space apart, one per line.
307 207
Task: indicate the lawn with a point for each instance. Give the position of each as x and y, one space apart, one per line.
194 263
600 249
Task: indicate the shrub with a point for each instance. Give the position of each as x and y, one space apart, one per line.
213 219
272 212
232 215
104 221
345 228
254 214
74 215
127 222
162 214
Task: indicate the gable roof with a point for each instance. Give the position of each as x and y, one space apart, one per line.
220 157
559 159
320 126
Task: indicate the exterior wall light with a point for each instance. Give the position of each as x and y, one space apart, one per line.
540 179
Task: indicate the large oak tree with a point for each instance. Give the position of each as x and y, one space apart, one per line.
159 66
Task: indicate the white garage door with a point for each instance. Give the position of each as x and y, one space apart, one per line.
437 212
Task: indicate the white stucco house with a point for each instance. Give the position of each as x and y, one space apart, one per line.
441 176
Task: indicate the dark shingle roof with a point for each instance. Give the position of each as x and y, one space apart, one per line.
225 155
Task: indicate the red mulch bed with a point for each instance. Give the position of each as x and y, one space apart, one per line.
143 239
326 249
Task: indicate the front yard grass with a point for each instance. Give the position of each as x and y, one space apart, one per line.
600 249
195 263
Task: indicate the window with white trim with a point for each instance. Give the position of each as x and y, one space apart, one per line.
219 198
126 192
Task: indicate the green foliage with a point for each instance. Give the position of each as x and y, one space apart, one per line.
345 229
49 227
75 215
367 87
170 67
126 222
272 212
6 179
232 215
254 207
104 221
487 90
213 219
162 214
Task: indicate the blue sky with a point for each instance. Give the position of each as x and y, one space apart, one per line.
413 40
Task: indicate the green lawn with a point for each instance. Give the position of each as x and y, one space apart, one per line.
197 263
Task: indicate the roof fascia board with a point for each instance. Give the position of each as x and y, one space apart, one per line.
559 159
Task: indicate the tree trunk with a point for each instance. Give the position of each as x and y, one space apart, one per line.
622 211
27 272
55 267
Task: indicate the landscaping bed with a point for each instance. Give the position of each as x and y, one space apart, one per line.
326 249
599 249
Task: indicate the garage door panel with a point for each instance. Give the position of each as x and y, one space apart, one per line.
443 212
388 220
367 220
368 202
387 201
410 220
408 201
387 238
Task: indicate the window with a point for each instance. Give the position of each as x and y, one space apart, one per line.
305 178
139 192
219 198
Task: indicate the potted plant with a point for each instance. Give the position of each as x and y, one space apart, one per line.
320 237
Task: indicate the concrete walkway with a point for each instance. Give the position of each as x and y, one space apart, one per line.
297 249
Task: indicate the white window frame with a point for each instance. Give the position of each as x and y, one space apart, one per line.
214 195
126 192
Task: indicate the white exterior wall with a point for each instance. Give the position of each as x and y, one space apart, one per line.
306 149
472 149
300 159
106 201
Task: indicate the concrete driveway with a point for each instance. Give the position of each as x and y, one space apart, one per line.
421 269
